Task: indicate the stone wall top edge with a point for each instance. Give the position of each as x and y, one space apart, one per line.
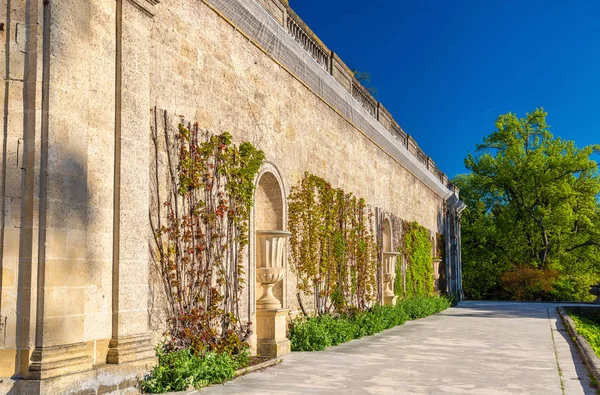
336 57
341 63
365 92
292 14
421 172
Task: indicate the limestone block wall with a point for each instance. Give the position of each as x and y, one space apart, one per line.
204 69
57 280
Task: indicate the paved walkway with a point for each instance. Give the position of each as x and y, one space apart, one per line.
475 348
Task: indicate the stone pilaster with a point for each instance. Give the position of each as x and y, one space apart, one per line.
448 263
461 294
131 339
70 228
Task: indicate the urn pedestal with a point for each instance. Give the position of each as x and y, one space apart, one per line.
271 319
389 274
271 337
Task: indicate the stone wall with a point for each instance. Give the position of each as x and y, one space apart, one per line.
76 288
205 70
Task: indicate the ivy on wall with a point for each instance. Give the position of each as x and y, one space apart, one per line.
417 251
399 279
333 247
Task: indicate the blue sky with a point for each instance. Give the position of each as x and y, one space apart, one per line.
446 69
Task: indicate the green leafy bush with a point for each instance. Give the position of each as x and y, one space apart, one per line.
182 369
309 334
574 286
588 326
422 307
318 333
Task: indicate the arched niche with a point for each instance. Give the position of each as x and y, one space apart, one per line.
268 203
270 213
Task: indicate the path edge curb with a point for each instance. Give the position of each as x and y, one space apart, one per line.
253 368
585 350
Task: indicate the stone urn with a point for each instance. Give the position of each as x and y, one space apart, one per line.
270 247
389 274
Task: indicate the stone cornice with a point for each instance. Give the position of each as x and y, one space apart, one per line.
456 203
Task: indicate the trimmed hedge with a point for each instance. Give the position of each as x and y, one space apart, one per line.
318 333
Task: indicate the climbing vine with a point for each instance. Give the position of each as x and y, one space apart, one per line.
200 229
417 250
399 279
333 248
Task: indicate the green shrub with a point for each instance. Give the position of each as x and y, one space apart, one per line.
339 330
318 333
589 328
179 370
423 307
309 335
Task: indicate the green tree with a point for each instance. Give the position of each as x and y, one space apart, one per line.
533 202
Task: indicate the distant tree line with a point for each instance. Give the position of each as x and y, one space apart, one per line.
531 230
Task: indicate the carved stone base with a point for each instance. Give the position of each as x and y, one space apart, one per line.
274 349
130 348
102 379
47 362
271 327
389 300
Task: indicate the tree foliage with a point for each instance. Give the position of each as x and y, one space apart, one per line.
532 201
